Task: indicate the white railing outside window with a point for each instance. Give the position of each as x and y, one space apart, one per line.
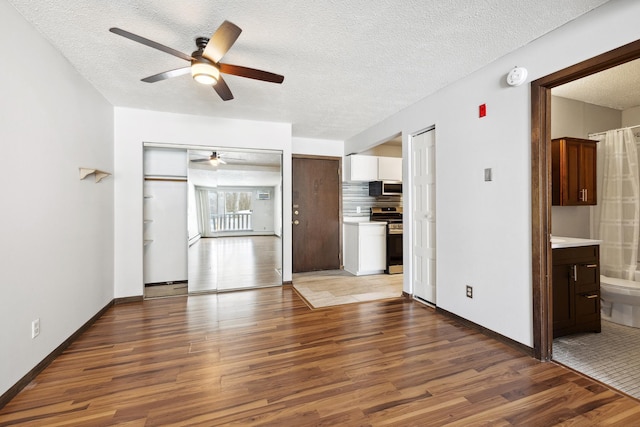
237 221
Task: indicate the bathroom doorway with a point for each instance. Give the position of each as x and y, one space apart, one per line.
541 185
587 109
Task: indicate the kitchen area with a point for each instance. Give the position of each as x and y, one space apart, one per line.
372 211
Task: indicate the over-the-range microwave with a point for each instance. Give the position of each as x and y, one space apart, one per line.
385 188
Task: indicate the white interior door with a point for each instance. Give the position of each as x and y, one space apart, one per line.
423 228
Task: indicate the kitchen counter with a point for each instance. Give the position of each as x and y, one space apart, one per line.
571 242
361 221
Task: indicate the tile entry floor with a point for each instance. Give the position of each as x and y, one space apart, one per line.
336 287
612 356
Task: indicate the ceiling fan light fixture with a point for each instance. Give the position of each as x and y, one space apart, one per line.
205 72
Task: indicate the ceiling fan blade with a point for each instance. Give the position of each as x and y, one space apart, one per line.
167 75
221 41
150 43
223 90
251 73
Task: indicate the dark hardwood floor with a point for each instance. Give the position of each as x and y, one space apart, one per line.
262 357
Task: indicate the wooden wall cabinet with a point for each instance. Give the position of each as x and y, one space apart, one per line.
573 176
576 290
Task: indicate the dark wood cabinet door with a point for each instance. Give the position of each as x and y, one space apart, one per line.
576 290
563 298
588 167
573 175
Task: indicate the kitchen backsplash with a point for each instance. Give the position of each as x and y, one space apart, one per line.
356 194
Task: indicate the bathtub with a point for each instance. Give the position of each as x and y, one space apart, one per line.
620 300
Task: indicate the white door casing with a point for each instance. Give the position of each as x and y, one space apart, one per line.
423 227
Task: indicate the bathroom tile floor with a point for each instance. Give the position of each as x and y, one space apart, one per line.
612 356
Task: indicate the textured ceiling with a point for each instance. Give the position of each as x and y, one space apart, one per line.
617 87
347 64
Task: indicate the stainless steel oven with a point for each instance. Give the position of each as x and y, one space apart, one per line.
393 217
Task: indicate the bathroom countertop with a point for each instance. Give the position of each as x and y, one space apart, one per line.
571 242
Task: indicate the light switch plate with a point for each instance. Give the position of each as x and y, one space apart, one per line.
487 174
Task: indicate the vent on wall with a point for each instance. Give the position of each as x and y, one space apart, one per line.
264 196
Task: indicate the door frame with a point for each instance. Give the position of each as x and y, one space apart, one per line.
541 184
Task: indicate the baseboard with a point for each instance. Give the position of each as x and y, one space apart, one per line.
488 332
25 380
127 300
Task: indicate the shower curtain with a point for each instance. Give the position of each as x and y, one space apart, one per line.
617 215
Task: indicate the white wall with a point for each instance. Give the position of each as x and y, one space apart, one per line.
132 128
631 117
484 228
56 249
317 147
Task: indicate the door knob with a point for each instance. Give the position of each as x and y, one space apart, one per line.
295 212
296 222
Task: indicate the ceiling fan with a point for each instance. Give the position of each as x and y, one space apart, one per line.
215 158
205 61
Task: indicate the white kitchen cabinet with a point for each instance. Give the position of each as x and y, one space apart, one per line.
365 249
390 168
361 168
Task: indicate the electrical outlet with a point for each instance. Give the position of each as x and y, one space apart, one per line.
35 328
469 291
358 210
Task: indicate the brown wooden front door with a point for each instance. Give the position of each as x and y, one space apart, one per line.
316 214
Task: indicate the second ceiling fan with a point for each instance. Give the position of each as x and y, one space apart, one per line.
205 61
215 158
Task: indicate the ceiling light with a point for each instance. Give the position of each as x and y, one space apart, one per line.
213 161
205 71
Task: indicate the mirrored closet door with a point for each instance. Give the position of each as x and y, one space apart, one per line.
234 218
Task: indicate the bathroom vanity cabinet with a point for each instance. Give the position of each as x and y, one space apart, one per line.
576 290
573 172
